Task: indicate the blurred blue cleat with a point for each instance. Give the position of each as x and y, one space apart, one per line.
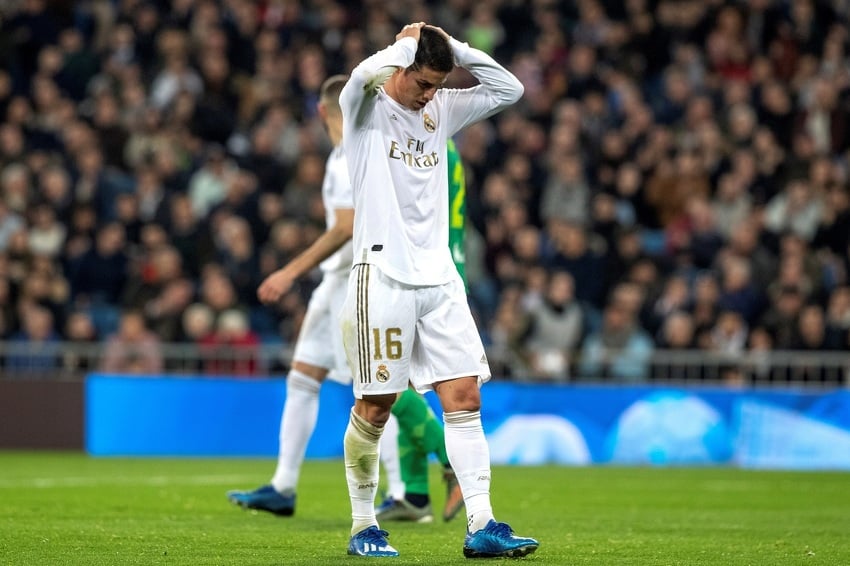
371 541
264 498
497 540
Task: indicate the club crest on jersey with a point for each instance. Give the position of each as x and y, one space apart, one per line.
430 124
383 374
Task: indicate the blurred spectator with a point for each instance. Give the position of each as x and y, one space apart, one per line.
619 351
10 223
833 232
780 318
573 253
810 335
8 316
737 292
554 329
729 334
674 181
706 293
176 75
208 185
238 258
732 204
838 318
693 236
677 335
100 274
153 264
728 340
566 195
197 323
36 346
190 235
305 185
79 330
46 232
232 349
743 242
164 293
797 209
133 349
674 298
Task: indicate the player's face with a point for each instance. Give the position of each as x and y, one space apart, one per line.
417 87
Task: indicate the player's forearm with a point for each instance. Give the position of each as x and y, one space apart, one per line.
374 71
501 83
321 249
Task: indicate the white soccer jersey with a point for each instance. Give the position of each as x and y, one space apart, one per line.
336 194
397 162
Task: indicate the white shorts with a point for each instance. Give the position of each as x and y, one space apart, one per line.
319 341
395 334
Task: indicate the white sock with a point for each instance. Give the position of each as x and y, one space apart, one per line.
297 422
361 470
469 455
390 459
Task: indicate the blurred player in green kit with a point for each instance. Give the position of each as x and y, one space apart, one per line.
413 431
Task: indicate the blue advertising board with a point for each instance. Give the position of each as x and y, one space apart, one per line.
525 424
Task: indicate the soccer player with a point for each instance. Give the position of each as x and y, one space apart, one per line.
404 450
318 350
406 316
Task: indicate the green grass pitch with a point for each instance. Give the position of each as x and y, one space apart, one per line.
61 508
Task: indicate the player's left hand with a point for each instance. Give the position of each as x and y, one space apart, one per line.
273 287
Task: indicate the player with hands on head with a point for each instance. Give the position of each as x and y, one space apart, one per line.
406 318
313 359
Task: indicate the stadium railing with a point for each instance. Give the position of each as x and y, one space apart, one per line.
69 360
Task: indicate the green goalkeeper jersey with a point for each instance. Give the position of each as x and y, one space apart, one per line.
457 209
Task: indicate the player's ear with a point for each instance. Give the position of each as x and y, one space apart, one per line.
322 110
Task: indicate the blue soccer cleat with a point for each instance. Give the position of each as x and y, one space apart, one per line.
264 498
497 540
371 541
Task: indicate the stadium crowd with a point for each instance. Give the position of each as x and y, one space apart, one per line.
676 177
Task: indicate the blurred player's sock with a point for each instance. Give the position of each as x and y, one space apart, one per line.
390 460
297 422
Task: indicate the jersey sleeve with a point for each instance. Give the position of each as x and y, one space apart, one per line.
341 194
497 90
367 78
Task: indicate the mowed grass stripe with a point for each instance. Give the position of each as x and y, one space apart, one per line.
174 511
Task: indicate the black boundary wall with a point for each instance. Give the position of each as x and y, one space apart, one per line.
41 414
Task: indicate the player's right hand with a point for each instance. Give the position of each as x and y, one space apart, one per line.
273 287
410 30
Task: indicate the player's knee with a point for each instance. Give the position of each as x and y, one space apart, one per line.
460 395
375 409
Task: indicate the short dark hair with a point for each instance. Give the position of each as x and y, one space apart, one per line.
433 51
330 89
